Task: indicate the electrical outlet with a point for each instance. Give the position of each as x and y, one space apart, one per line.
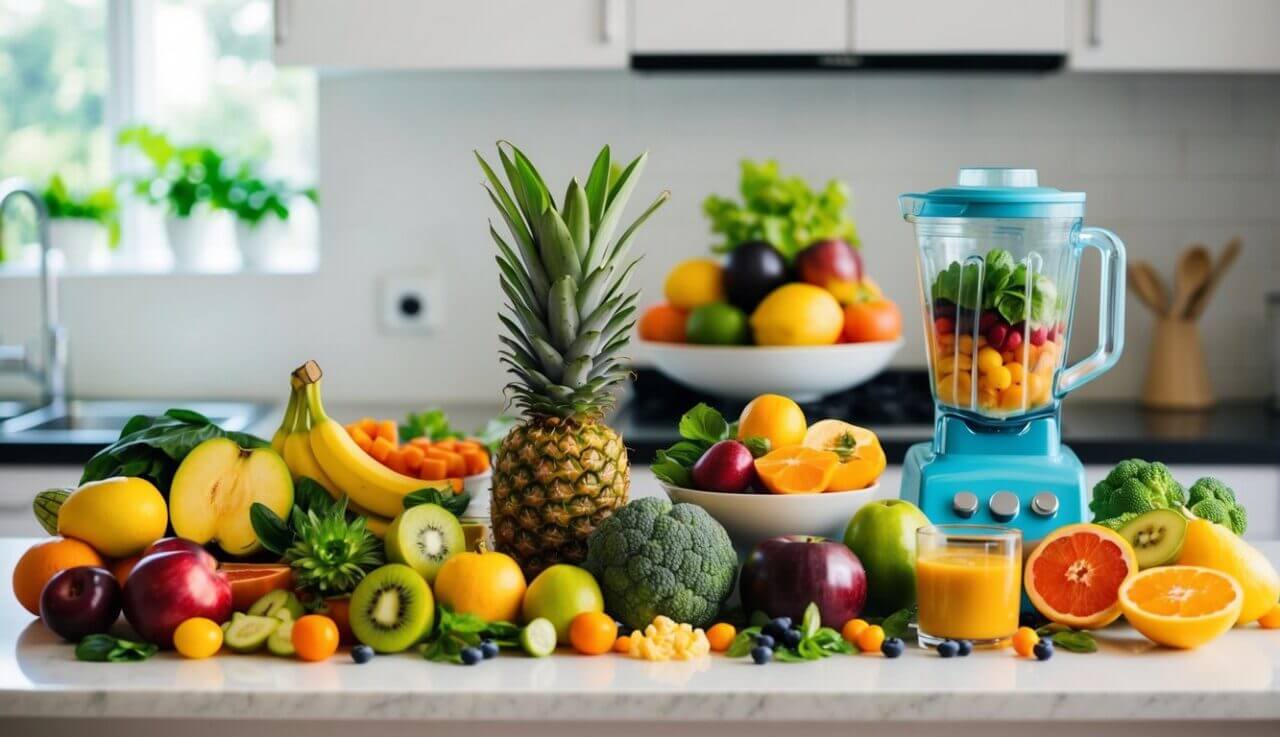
411 303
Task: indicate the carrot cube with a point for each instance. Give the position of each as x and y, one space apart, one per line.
457 465
423 443
362 438
387 429
433 469
395 461
457 486
370 426
412 451
447 444
462 445
381 448
477 461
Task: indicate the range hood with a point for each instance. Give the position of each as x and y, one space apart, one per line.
849 35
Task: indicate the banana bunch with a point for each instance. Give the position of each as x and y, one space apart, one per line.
372 488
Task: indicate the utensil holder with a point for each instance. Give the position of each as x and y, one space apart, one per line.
1177 375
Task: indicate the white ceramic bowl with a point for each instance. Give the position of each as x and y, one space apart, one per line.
804 373
478 487
751 518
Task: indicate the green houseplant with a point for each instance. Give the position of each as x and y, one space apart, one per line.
261 207
82 225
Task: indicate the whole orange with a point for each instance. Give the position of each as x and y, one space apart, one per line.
42 560
488 585
775 417
593 633
314 637
663 323
877 319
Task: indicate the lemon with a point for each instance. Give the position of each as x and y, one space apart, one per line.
118 516
694 283
798 314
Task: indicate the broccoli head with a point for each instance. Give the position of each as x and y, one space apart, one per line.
1135 486
1213 500
652 557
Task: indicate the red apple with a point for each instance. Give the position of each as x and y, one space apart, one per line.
80 601
166 589
784 574
833 265
726 466
179 544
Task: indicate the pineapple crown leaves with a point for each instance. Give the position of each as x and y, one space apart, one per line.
565 277
331 554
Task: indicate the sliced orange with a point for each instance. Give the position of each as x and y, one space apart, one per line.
1181 606
795 469
862 460
1074 575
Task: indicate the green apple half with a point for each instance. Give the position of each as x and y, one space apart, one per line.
883 536
217 483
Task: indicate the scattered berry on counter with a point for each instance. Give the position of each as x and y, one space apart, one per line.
965 646
791 637
471 655
489 649
763 640
721 635
948 648
1043 650
852 629
1024 640
870 639
622 644
761 654
362 654
892 647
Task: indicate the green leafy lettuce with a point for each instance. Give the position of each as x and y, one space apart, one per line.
999 283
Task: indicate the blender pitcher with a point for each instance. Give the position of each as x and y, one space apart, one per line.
999 259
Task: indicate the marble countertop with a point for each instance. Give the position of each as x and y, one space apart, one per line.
1235 678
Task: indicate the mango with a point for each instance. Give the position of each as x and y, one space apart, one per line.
118 517
1214 546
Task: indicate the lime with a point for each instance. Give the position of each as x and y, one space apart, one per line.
717 324
538 638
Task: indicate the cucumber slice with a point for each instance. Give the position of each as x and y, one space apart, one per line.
247 634
275 601
281 641
538 638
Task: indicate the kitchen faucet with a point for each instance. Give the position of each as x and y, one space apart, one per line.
15 358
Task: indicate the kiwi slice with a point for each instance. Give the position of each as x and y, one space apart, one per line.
423 537
249 632
538 638
392 608
281 641
1156 536
277 601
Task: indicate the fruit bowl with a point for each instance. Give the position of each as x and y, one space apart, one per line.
804 373
750 518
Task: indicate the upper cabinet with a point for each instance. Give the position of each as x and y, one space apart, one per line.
719 27
927 27
1176 35
452 34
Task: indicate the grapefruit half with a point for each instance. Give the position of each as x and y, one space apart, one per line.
1074 575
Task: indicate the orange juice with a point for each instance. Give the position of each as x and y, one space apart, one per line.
968 594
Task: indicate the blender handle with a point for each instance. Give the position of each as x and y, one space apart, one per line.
1110 312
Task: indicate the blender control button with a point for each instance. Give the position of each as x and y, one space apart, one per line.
1045 504
1004 505
965 504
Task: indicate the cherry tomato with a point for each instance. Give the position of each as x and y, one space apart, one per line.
876 319
197 638
315 637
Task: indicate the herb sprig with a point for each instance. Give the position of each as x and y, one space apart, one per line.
108 649
453 632
816 642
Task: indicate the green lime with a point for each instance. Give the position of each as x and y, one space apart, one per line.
717 324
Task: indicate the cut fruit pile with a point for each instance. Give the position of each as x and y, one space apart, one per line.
419 457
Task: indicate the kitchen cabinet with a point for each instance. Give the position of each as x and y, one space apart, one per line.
451 34
709 27
948 27
1176 35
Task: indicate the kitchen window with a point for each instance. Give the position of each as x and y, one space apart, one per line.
73 73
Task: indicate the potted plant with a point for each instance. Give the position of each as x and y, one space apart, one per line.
189 181
81 226
261 208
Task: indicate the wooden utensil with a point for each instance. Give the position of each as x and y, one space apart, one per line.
1225 259
1147 285
1191 273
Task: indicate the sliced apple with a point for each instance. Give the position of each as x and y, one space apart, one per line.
215 486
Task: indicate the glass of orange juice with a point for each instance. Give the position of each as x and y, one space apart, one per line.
968 583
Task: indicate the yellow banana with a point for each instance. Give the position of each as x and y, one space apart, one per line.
290 413
366 482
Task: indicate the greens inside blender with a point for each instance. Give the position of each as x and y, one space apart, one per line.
1019 321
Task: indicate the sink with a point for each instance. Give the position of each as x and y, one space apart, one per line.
10 408
98 422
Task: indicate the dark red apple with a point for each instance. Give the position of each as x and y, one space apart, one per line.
80 601
784 574
726 466
833 265
180 544
166 589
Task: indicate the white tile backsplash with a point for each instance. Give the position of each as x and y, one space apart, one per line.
1165 160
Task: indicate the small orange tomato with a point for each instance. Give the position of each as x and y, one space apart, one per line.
852 629
593 633
315 637
870 639
622 644
877 319
1024 641
720 636
663 323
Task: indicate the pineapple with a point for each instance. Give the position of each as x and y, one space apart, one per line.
561 471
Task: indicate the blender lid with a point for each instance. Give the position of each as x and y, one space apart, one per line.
994 192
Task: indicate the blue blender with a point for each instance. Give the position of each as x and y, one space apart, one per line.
999 260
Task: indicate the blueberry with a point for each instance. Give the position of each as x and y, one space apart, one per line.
791 637
892 647
783 622
1043 650
774 630
471 655
948 648
362 654
489 649
965 647
761 654
766 641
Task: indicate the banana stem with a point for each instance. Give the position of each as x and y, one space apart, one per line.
291 409
314 405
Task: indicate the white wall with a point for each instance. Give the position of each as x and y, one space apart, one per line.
1165 160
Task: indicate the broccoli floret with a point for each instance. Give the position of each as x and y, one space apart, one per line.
1115 523
1213 500
1135 486
652 557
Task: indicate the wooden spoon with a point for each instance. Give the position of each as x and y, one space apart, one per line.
1228 256
1147 285
1192 271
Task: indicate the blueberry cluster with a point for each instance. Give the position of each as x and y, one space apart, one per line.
952 648
778 630
471 655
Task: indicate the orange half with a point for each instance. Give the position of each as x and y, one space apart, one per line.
862 460
1074 575
795 469
1181 606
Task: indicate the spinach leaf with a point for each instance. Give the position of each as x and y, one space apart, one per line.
108 649
455 504
272 531
898 623
742 643
309 494
703 424
700 428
